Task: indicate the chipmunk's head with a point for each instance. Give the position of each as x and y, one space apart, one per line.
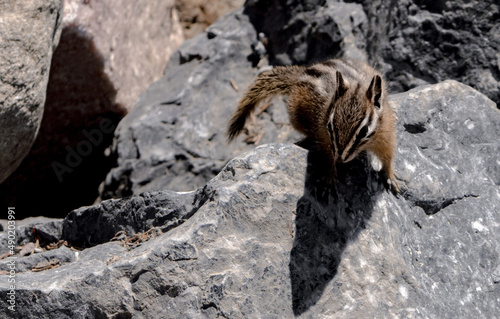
354 116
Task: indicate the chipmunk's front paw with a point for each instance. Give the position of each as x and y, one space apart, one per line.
393 186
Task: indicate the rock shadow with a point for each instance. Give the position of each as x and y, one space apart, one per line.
327 218
67 162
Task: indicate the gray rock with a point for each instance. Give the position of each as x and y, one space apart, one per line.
29 31
108 53
452 131
301 32
94 225
175 137
60 256
49 230
270 240
67 163
417 42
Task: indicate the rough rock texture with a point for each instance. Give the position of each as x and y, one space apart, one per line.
266 239
174 139
196 15
422 41
305 31
49 230
163 209
29 33
135 39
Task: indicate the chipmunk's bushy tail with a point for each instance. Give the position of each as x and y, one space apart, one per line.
268 84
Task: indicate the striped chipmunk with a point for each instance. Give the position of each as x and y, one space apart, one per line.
339 104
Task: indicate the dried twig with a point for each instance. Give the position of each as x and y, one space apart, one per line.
46 265
134 240
233 84
264 106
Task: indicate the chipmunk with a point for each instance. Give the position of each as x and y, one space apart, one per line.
340 104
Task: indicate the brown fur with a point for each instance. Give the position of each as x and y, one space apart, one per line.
329 102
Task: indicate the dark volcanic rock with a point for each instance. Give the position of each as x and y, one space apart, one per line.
301 32
267 239
174 138
49 230
164 209
420 41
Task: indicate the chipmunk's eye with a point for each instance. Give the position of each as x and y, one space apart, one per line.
363 131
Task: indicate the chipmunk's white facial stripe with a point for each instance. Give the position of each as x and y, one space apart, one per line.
364 131
373 120
332 130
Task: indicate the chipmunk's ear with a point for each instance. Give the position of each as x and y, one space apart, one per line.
374 93
341 85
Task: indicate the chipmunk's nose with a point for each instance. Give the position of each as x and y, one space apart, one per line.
342 155
341 159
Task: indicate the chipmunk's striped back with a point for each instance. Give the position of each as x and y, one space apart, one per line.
341 104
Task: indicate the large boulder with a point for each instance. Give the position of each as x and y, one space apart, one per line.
422 41
266 238
29 33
